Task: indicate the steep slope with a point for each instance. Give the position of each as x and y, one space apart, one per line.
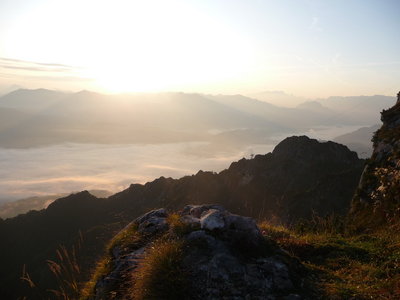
377 201
301 175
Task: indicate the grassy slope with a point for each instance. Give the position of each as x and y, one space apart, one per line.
341 265
344 265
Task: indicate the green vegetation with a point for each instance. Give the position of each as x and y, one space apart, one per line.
160 275
343 265
103 267
159 272
340 264
128 237
178 227
125 238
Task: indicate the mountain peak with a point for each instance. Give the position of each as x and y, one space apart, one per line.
304 148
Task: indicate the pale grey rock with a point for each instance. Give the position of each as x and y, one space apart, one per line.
197 210
212 219
190 220
157 213
153 221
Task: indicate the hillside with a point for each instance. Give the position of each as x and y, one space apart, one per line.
377 201
301 175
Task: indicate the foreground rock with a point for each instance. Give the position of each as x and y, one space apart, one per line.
225 256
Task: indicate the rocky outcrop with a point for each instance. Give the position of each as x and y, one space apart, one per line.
225 257
377 200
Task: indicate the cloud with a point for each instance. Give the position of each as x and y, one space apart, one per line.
36 69
18 63
75 167
39 70
17 70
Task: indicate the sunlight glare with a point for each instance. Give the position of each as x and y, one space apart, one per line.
133 45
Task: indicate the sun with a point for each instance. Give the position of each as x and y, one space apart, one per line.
133 46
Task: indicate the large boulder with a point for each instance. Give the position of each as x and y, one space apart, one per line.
225 256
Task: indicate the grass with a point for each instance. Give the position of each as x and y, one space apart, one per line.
178 227
160 275
340 264
126 238
344 265
66 270
103 267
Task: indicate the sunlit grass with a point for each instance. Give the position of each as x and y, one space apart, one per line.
128 237
344 265
160 275
103 267
179 227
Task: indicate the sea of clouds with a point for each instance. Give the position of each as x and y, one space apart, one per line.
75 167
71 167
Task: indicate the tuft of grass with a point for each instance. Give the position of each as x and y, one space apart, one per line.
67 271
330 224
129 238
179 227
160 275
274 231
344 265
103 267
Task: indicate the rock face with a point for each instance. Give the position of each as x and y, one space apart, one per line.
225 257
377 200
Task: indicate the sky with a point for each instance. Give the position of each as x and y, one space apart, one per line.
306 48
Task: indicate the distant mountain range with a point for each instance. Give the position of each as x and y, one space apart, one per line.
359 141
13 208
32 118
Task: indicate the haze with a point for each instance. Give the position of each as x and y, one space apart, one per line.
306 48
